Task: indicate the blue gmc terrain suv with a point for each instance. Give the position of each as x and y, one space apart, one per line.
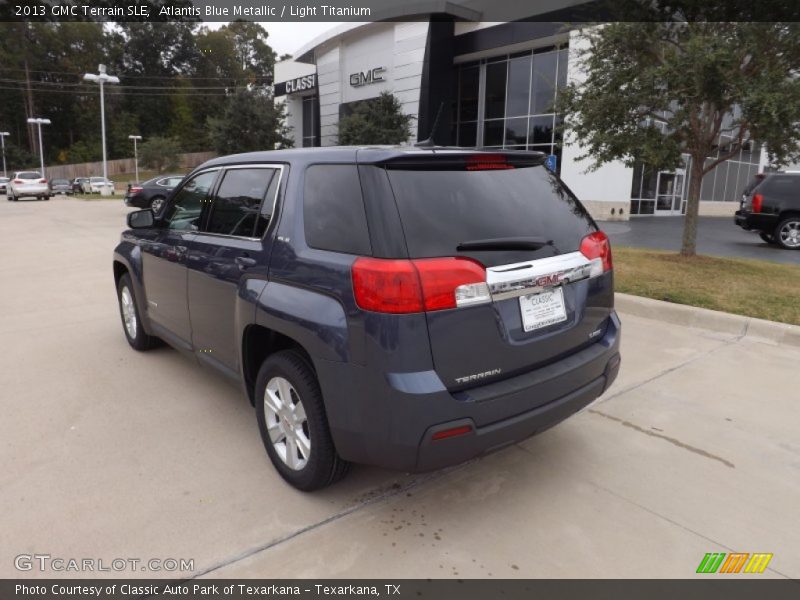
402 307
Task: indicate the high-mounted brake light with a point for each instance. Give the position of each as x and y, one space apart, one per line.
488 162
426 284
758 202
597 249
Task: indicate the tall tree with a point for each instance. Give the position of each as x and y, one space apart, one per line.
251 121
377 121
655 91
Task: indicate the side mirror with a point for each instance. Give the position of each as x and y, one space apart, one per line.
141 219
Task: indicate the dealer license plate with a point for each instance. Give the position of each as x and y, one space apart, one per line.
543 309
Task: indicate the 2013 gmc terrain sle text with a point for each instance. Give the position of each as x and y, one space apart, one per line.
406 308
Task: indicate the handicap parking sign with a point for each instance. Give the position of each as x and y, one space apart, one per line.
551 162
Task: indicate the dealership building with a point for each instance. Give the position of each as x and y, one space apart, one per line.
495 85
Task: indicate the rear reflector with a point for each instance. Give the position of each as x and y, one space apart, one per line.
450 433
758 202
426 284
597 249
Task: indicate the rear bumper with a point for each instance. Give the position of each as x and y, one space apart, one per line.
31 190
391 422
755 221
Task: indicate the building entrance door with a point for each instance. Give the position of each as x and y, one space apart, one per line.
669 199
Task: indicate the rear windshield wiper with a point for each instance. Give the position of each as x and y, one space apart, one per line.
509 243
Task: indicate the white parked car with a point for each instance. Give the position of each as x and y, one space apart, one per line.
95 185
28 184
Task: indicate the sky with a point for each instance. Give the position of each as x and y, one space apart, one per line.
289 37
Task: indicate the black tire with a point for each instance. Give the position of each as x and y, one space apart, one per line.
785 227
323 465
139 340
767 237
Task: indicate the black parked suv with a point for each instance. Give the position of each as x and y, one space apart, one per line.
771 206
405 308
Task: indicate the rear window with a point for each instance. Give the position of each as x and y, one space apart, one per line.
441 209
781 185
29 175
60 182
333 210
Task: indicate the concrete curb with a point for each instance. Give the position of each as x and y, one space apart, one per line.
721 322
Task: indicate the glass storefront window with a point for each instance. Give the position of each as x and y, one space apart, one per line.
541 130
468 94
517 131
495 90
507 101
519 86
543 91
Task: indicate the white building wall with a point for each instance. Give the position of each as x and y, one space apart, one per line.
608 188
399 48
287 70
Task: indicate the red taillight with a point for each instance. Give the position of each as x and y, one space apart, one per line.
426 284
758 202
18 181
487 162
390 286
134 190
596 246
43 181
441 277
449 433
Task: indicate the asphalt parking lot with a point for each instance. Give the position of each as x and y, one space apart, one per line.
716 236
109 453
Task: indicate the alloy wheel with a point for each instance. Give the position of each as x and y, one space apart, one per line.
128 312
287 423
789 234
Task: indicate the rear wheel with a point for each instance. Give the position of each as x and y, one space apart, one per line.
787 233
767 237
131 322
294 427
157 203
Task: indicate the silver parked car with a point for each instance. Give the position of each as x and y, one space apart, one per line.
28 184
4 184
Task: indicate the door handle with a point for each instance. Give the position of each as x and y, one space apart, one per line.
245 261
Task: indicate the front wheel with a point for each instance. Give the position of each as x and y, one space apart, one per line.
131 321
293 425
787 233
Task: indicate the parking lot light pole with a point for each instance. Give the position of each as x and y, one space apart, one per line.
135 138
3 135
102 78
39 122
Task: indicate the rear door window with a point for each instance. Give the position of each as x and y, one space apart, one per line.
237 204
441 209
333 210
